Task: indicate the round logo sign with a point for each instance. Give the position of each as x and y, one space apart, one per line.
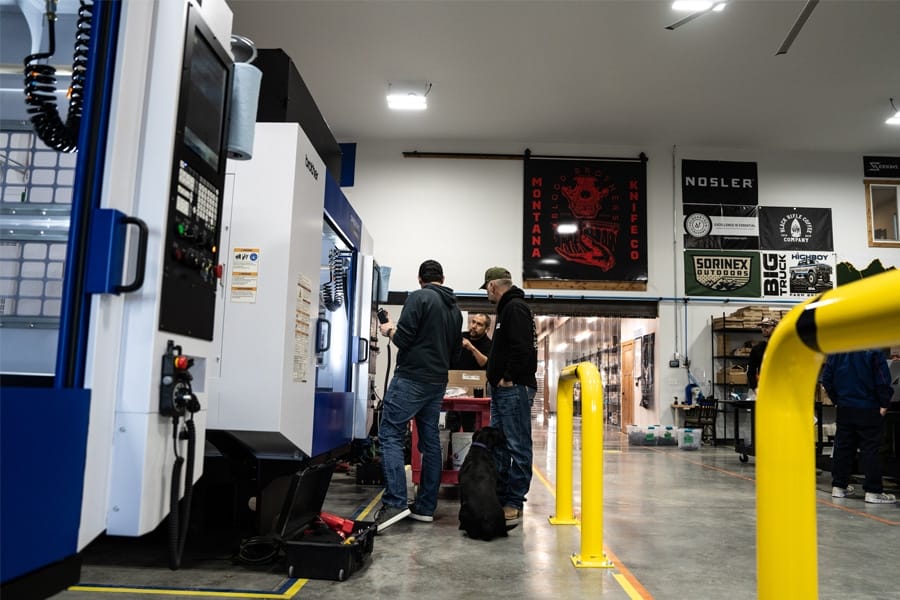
697 225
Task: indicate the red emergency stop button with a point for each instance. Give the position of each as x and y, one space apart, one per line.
181 363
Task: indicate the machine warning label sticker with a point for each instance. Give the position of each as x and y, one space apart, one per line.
244 274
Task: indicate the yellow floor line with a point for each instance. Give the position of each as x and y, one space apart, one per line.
371 505
288 593
626 585
630 584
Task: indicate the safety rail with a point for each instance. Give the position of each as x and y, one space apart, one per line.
858 316
591 555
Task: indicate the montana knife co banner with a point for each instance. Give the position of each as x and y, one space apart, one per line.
585 220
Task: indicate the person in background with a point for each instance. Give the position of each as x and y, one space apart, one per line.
766 326
511 369
475 343
429 339
476 346
859 384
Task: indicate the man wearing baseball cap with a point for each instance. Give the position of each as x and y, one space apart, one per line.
766 326
510 371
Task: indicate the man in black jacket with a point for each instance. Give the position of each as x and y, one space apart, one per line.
476 347
429 338
510 371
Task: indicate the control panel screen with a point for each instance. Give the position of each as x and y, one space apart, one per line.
205 102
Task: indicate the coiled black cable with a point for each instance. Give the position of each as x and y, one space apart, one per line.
40 86
332 292
180 514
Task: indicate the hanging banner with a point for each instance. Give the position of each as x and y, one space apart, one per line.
881 166
797 274
585 223
719 204
648 351
720 226
795 228
733 274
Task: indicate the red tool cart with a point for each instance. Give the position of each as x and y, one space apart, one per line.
482 409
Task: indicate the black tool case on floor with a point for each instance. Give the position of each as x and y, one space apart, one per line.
312 549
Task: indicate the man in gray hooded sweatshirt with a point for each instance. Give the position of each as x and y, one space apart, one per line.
428 336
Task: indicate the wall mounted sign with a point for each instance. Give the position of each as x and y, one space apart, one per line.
585 223
795 228
711 273
797 274
881 166
719 204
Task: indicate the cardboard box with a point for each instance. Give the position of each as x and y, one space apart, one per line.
736 375
466 381
719 322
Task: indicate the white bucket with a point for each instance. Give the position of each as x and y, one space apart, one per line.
462 440
445 445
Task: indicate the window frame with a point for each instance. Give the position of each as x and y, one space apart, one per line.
873 241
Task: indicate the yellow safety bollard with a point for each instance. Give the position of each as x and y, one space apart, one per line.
591 555
565 392
857 316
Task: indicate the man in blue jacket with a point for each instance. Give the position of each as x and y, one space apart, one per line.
428 336
859 384
510 371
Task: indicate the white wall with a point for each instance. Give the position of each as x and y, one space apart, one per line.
467 214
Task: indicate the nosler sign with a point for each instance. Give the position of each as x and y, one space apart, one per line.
719 205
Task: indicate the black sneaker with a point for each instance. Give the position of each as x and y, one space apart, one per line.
388 515
418 516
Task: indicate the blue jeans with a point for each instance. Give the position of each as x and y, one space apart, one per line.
406 399
511 413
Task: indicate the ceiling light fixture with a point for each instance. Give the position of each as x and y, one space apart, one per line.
699 9
691 6
409 95
895 120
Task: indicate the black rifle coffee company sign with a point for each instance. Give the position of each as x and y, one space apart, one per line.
585 220
803 229
710 273
719 202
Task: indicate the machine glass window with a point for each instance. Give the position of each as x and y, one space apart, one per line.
882 208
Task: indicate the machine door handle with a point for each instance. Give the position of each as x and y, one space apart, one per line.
323 335
363 350
141 266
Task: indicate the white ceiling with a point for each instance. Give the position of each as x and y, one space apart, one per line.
598 72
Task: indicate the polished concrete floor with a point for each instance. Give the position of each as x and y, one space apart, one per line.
676 525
